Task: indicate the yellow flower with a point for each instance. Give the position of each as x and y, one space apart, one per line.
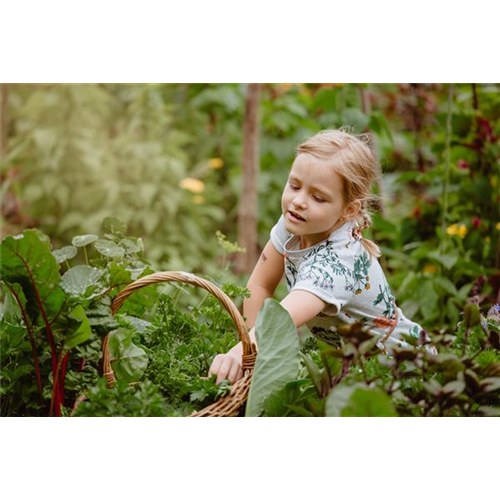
487 239
429 269
452 230
198 199
498 226
215 163
193 185
462 231
456 230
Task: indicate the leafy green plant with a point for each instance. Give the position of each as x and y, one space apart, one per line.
278 357
150 339
463 379
207 391
180 346
56 312
124 400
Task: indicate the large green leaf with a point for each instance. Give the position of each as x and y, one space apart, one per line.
80 281
358 400
12 327
278 359
82 332
13 303
27 259
289 400
109 248
84 240
128 361
65 253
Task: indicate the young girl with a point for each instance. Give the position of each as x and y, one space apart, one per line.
332 272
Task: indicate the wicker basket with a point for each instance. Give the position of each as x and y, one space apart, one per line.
227 406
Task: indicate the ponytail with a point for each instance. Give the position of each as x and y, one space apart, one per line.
371 247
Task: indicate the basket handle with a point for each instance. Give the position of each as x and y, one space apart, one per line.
249 349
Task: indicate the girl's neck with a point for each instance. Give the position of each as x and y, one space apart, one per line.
306 242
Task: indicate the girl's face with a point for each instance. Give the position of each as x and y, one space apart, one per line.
314 191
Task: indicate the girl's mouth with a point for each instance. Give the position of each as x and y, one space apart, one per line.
295 217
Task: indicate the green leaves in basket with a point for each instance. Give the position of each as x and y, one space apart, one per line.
206 391
128 361
278 359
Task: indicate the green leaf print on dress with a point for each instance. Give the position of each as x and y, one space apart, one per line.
319 265
361 270
322 264
415 331
386 296
390 319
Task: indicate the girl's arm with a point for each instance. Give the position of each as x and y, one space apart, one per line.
301 305
263 281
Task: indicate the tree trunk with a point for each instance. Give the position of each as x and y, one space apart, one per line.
247 214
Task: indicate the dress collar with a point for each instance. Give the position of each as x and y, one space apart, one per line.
343 234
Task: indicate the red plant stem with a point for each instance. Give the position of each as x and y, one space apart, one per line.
32 344
81 365
63 376
50 335
55 403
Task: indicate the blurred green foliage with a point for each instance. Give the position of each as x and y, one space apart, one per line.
78 153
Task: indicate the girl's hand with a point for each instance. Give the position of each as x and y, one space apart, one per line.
227 366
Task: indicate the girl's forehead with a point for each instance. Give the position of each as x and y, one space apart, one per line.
311 161
308 168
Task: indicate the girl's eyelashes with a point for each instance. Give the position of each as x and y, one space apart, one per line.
295 188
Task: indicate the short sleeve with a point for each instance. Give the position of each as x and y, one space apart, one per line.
326 276
279 235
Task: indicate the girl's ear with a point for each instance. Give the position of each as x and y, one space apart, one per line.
352 210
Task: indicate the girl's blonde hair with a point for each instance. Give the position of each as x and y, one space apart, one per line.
353 160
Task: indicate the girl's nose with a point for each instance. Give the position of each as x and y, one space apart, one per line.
299 201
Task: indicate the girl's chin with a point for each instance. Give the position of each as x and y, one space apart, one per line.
293 229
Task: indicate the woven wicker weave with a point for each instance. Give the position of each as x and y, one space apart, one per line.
230 404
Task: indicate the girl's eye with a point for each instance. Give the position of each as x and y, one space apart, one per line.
295 188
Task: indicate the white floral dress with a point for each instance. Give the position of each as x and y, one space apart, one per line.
342 273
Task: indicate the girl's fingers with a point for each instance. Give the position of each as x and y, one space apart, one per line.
233 372
225 367
216 364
